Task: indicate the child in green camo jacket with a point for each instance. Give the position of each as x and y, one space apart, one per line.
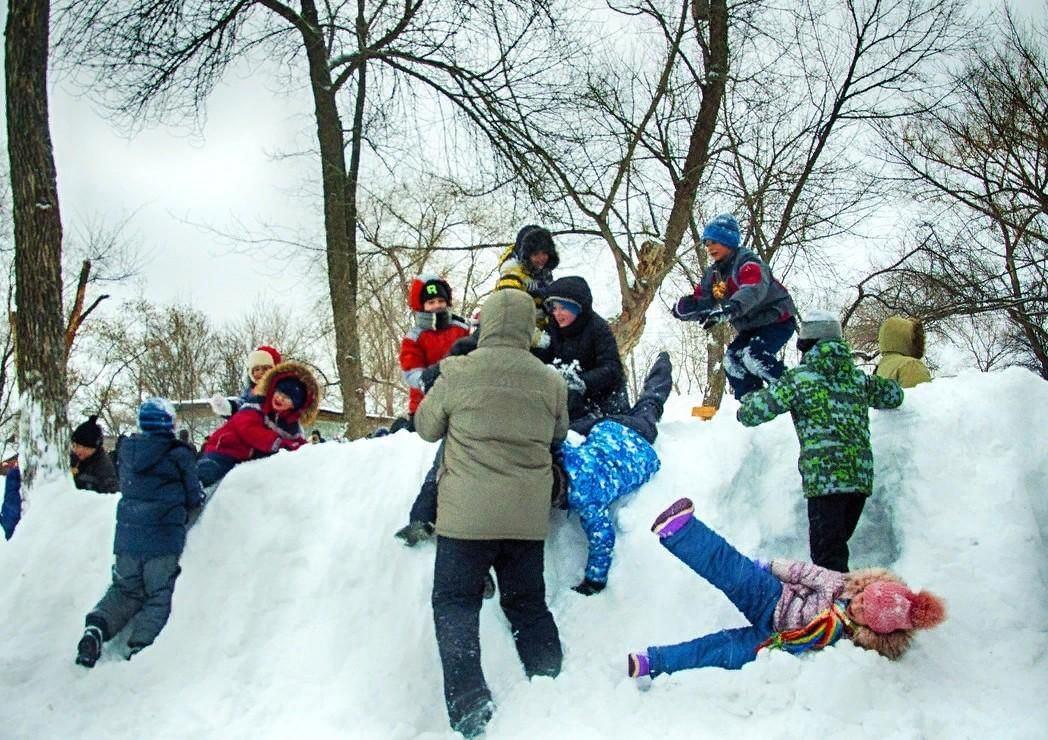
828 398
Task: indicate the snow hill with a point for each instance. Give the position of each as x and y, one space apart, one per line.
297 614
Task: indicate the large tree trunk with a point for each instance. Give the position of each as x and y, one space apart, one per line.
39 325
340 232
629 326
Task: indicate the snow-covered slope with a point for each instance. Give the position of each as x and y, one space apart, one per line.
298 615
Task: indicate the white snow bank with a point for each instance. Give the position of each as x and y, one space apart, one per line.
298 614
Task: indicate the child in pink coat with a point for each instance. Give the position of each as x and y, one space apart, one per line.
790 605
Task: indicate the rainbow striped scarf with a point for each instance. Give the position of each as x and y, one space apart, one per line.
828 627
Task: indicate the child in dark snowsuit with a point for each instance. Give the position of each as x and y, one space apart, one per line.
259 362
829 399
740 289
159 484
289 397
615 459
790 605
90 464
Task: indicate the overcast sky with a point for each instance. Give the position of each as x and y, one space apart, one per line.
227 176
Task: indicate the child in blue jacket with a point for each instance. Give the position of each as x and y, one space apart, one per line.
615 459
739 288
159 485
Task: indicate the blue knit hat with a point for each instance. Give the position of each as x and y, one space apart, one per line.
156 415
723 229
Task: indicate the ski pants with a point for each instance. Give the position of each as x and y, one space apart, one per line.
458 585
212 467
141 594
831 523
751 360
425 507
755 592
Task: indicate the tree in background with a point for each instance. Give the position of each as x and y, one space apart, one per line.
978 163
39 326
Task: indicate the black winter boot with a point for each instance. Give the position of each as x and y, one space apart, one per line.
89 649
646 412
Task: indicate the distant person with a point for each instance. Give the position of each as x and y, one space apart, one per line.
259 362
902 346
829 400
90 465
288 397
790 606
11 509
740 289
614 460
499 409
528 265
434 328
583 348
160 488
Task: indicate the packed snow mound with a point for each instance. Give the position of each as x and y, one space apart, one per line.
298 614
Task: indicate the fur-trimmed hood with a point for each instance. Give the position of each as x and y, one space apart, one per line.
902 335
291 369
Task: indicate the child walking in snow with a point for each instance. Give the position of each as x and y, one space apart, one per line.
790 605
259 362
289 397
615 459
159 487
739 288
828 398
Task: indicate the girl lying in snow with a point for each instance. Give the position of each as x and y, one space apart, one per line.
790 605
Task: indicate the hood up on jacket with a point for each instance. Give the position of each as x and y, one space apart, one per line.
830 358
571 288
902 335
290 369
509 320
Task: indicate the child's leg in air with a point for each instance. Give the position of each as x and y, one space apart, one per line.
731 649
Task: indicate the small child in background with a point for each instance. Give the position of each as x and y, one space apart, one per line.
434 329
528 265
829 399
614 460
790 606
739 288
901 342
289 397
259 362
159 488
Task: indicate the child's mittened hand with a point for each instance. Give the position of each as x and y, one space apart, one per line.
588 587
220 405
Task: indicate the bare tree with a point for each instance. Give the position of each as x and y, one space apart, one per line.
39 325
167 56
978 162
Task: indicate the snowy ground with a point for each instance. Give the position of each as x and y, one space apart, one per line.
298 615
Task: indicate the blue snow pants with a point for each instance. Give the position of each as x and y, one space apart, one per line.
754 592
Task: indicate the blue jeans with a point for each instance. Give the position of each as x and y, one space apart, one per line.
751 360
754 592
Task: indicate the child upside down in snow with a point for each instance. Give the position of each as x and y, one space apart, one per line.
790 605
615 459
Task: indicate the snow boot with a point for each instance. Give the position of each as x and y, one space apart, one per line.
489 586
644 417
638 665
133 649
89 649
670 521
414 533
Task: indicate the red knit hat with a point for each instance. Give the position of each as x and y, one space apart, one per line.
271 351
890 606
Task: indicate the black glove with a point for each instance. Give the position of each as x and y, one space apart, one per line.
464 346
718 316
429 376
588 587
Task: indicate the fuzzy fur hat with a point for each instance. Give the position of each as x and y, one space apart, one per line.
890 611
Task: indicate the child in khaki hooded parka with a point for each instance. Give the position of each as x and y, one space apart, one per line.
902 347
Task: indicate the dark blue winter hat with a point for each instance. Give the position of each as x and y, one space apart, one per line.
294 389
156 415
723 229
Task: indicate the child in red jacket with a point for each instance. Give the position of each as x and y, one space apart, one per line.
289 397
434 329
